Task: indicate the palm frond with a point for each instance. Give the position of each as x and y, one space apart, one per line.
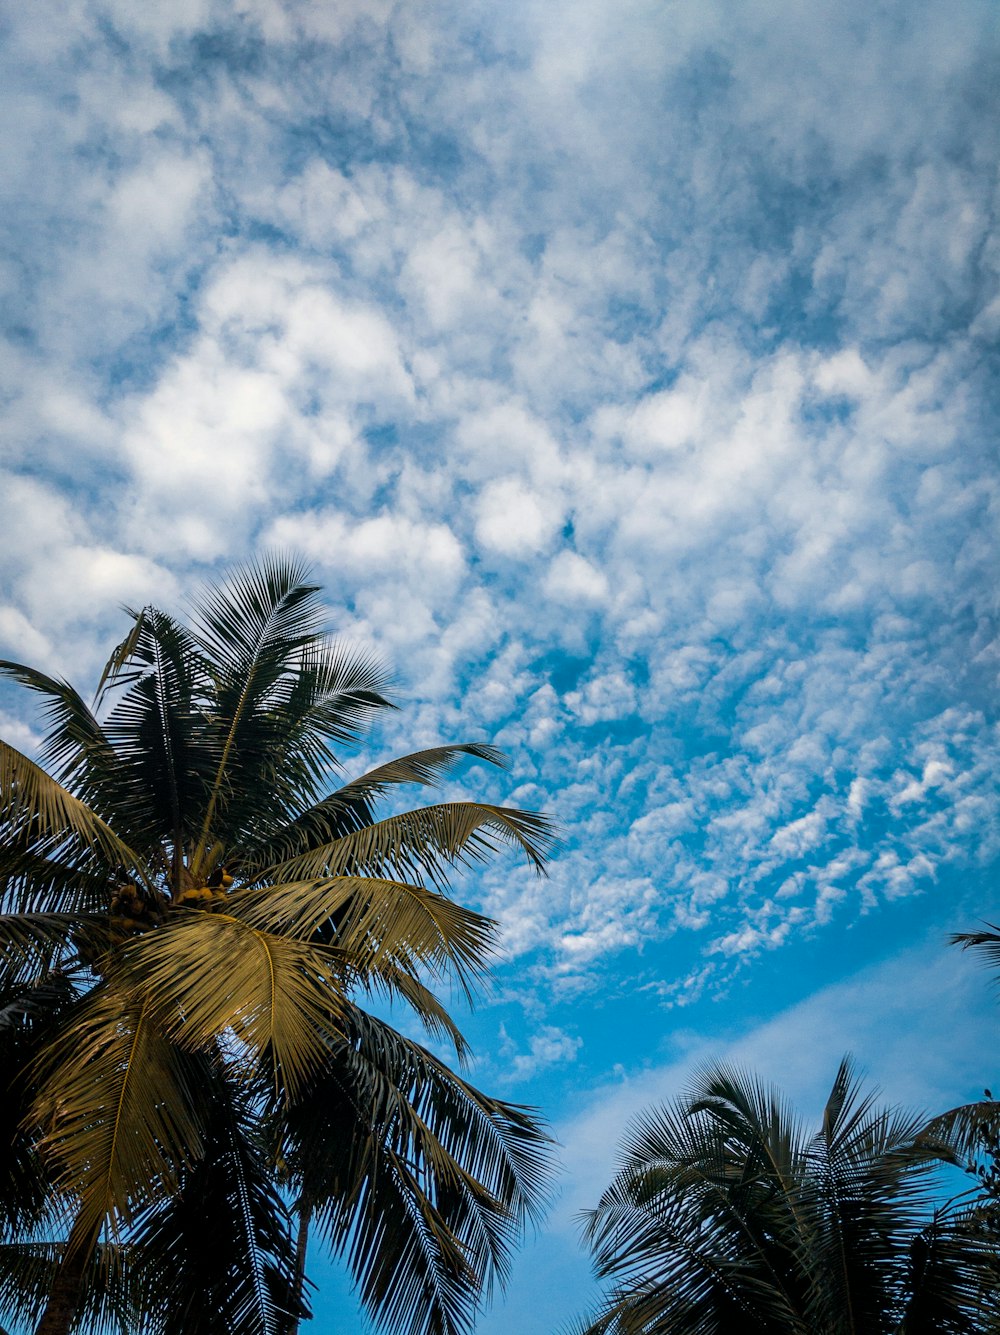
726 1217
695 1229
419 1178
209 974
985 943
951 1279
428 842
30 1017
115 1111
109 1303
36 876
125 663
371 921
165 755
956 1135
218 1257
352 806
398 985
75 741
32 944
261 633
30 797
284 741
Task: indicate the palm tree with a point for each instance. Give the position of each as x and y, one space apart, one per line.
191 926
728 1218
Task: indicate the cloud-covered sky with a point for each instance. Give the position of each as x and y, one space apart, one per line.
629 376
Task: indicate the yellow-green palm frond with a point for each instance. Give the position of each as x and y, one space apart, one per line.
76 746
210 974
33 944
353 805
372 920
115 1111
31 799
398 985
428 842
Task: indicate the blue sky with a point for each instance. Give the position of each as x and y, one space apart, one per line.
628 373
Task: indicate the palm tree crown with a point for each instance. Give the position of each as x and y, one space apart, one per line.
190 923
728 1218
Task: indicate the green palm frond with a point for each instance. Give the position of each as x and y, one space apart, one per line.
352 806
165 756
218 1255
115 1111
373 921
208 974
35 880
957 1133
951 1280
75 744
726 1217
428 842
30 798
264 608
109 1302
429 1185
261 634
985 943
30 1017
285 742
679 1225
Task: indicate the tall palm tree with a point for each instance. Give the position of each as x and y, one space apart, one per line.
729 1218
191 924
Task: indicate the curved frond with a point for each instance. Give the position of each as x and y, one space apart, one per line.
32 880
31 944
75 742
420 1179
30 798
352 806
115 1110
695 1229
957 1135
428 842
208 974
985 944
371 921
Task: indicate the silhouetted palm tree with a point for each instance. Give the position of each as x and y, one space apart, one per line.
728 1218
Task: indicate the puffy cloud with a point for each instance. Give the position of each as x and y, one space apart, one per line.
549 1046
640 423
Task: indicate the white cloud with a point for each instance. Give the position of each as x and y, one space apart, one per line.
656 452
513 520
548 1046
573 579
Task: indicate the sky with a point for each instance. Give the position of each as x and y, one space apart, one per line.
627 374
